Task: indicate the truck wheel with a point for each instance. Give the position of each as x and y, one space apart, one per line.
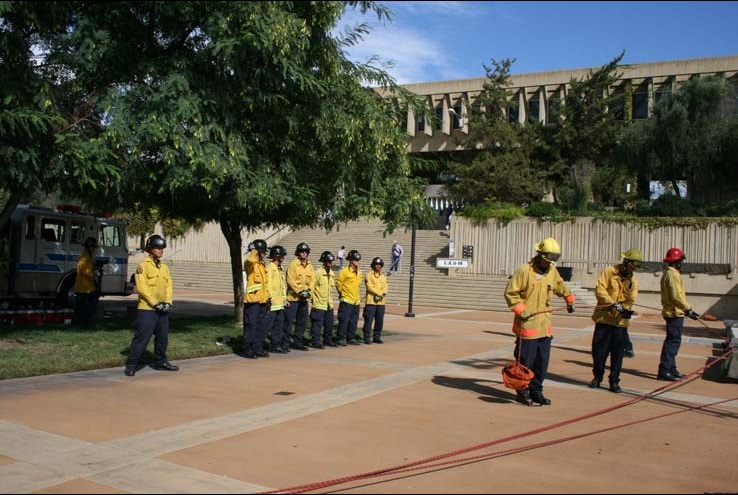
66 296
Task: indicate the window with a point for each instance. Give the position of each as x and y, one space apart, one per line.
53 230
30 228
617 108
76 233
420 123
513 113
534 110
457 121
553 110
660 95
439 118
110 235
640 105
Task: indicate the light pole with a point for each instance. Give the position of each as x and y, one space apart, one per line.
410 313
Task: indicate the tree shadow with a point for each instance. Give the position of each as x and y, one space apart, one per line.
486 393
504 334
581 351
483 364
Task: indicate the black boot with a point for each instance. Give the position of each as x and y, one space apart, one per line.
524 397
538 398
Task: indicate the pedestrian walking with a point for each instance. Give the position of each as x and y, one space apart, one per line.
374 307
396 253
616 291
154 287
528 294
674 307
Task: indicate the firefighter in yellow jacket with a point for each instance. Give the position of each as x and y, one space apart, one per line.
86 288
256 301
528 294
674 307
616 291
374 307
274 322
321 314
300 275
154 287
348 286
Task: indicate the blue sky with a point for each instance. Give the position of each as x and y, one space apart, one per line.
437 41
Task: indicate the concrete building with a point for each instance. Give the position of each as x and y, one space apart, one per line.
644 84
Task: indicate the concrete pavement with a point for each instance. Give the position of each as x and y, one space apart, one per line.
230 425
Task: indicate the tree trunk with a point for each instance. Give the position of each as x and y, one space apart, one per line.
232 231
10 205
675 185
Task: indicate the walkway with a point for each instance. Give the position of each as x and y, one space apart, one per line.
231 425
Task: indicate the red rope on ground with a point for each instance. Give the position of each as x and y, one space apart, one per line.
417 464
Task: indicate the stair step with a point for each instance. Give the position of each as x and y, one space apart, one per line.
431 286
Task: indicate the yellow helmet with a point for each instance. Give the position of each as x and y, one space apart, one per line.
632 255
549 249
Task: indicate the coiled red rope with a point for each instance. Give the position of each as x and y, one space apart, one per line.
426 462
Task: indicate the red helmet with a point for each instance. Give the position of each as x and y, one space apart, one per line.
673 255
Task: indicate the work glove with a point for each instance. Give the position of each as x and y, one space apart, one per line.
378 298
304 295
570 308
693 315
525 315
162 307
625 313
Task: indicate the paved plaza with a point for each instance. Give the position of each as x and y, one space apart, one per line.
227 424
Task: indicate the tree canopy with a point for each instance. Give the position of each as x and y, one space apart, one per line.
245 113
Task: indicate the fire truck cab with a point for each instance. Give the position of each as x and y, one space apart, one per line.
39 248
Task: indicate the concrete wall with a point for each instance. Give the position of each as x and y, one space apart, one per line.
589 245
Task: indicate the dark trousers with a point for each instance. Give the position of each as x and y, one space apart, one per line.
373 313
297 311
672 342
147 323
85 309
274 324
534 355
253 327
321 319
628 344
608 339
348 319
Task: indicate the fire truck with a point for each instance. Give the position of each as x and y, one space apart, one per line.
39 248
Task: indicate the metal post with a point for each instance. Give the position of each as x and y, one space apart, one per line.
410 313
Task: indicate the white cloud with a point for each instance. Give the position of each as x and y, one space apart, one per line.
412 42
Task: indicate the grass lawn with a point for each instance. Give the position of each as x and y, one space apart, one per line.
31 350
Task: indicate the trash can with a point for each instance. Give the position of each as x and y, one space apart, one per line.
565 272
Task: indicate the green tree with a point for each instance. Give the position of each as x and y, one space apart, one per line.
51 140
256 119
692 137
584 131
500 163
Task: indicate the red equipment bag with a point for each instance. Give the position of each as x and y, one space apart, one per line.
516 376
